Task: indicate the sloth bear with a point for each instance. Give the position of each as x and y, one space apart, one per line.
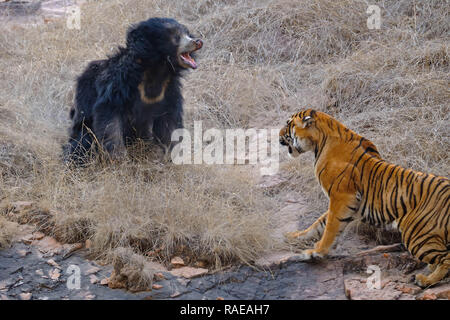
134 94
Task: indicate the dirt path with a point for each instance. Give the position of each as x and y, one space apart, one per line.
21 275
29 272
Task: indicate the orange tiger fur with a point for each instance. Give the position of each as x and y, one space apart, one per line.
361 185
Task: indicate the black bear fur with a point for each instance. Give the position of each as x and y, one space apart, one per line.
134 94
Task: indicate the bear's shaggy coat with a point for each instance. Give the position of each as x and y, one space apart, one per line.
134 94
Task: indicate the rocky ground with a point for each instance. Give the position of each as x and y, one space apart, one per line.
38 267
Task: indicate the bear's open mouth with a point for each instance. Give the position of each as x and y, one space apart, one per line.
188 60
188 46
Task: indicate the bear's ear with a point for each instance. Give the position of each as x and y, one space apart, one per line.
134 35
139 42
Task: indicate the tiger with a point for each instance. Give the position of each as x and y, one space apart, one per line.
361 185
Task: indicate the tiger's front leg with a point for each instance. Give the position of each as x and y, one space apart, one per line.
338 217
315 231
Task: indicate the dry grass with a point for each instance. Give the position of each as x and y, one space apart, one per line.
7 231
262 61
131 271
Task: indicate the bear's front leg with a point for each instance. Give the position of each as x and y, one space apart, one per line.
108 130
163 128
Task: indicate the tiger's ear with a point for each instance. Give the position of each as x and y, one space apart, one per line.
306 122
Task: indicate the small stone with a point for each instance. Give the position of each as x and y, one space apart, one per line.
25 296
23 252
39 272
159 276
93 278
27 239
53 263
156 286
104 282
54 274
220 298
189 272
38 235
92 270
409 289
177 262
427 297
88 244
4 297
90 297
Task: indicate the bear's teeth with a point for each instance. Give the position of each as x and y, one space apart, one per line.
187 58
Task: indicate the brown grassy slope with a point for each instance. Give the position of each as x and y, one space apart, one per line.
262 61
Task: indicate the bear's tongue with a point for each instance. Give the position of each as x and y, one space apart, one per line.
188 59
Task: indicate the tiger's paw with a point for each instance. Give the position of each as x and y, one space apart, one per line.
307 255
432 267
422 280
293 236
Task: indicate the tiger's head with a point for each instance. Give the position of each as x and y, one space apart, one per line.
300 133
309 130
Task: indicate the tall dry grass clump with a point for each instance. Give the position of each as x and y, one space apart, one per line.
262 61
7 233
